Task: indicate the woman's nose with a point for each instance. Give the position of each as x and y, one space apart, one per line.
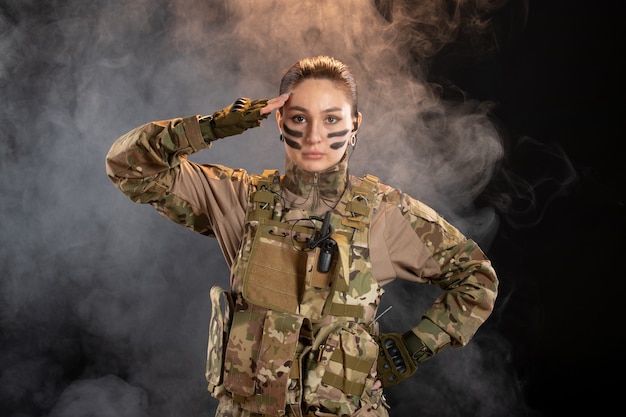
315 133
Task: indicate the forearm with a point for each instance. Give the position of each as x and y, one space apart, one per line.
142 163
153 148
470 289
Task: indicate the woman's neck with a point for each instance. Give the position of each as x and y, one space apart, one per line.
314 191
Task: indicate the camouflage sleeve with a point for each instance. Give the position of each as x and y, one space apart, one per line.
149 164
464 273
150 150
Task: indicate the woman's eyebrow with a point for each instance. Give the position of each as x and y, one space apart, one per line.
302 109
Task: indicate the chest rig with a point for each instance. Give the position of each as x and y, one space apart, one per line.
296 328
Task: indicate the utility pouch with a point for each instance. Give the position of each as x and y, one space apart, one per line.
219 327
242 351
339 368
278 351
258 365
282 273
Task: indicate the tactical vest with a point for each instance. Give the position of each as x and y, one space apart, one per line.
287 333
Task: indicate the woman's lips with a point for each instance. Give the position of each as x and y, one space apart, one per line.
313 155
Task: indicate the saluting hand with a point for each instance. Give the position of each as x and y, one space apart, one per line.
275 103
240 116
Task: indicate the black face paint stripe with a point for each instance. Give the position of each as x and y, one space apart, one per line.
335 134
337 145
292 143
294 133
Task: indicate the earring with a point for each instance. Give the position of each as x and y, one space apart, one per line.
281 138
353 140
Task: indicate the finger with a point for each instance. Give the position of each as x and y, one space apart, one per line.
275 103
239 104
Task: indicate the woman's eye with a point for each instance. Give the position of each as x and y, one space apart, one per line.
298 119
332 119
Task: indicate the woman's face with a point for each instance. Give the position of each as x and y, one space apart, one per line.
317 123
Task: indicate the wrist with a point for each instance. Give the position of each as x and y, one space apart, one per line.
206 128
417 349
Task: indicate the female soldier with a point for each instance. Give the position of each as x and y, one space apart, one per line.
309 251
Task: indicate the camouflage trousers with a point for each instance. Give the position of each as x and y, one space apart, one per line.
229 408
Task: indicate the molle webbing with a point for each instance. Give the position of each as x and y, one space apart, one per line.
352 215
343 358
263 200
281 297
345 310
359 205
353 363
258 363
356 209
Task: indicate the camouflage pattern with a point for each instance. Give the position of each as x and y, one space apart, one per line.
227 407
219 328
144 164
259 356
340 368
467 276
275 273
149 164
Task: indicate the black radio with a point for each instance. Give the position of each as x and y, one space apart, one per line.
327 246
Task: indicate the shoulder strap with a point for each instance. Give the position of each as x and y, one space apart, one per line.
263 195
361 203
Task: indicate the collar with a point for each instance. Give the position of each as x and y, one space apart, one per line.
315 191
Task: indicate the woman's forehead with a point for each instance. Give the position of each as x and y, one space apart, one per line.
318 95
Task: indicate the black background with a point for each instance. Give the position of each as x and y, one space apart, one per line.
560 82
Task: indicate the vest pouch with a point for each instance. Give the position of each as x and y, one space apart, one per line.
339 368
274 277
278 354
262 387
282 272
242 351
219 327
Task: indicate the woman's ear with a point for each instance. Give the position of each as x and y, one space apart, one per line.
357 122
279 120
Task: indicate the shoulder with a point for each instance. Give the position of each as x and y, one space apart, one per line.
220 172
423 219
270 178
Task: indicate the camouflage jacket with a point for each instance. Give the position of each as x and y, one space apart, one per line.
408 240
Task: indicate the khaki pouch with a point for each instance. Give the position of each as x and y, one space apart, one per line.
242 350
339 368
260 353
219 327
282 273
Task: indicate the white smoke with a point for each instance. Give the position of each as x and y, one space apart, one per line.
103 304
